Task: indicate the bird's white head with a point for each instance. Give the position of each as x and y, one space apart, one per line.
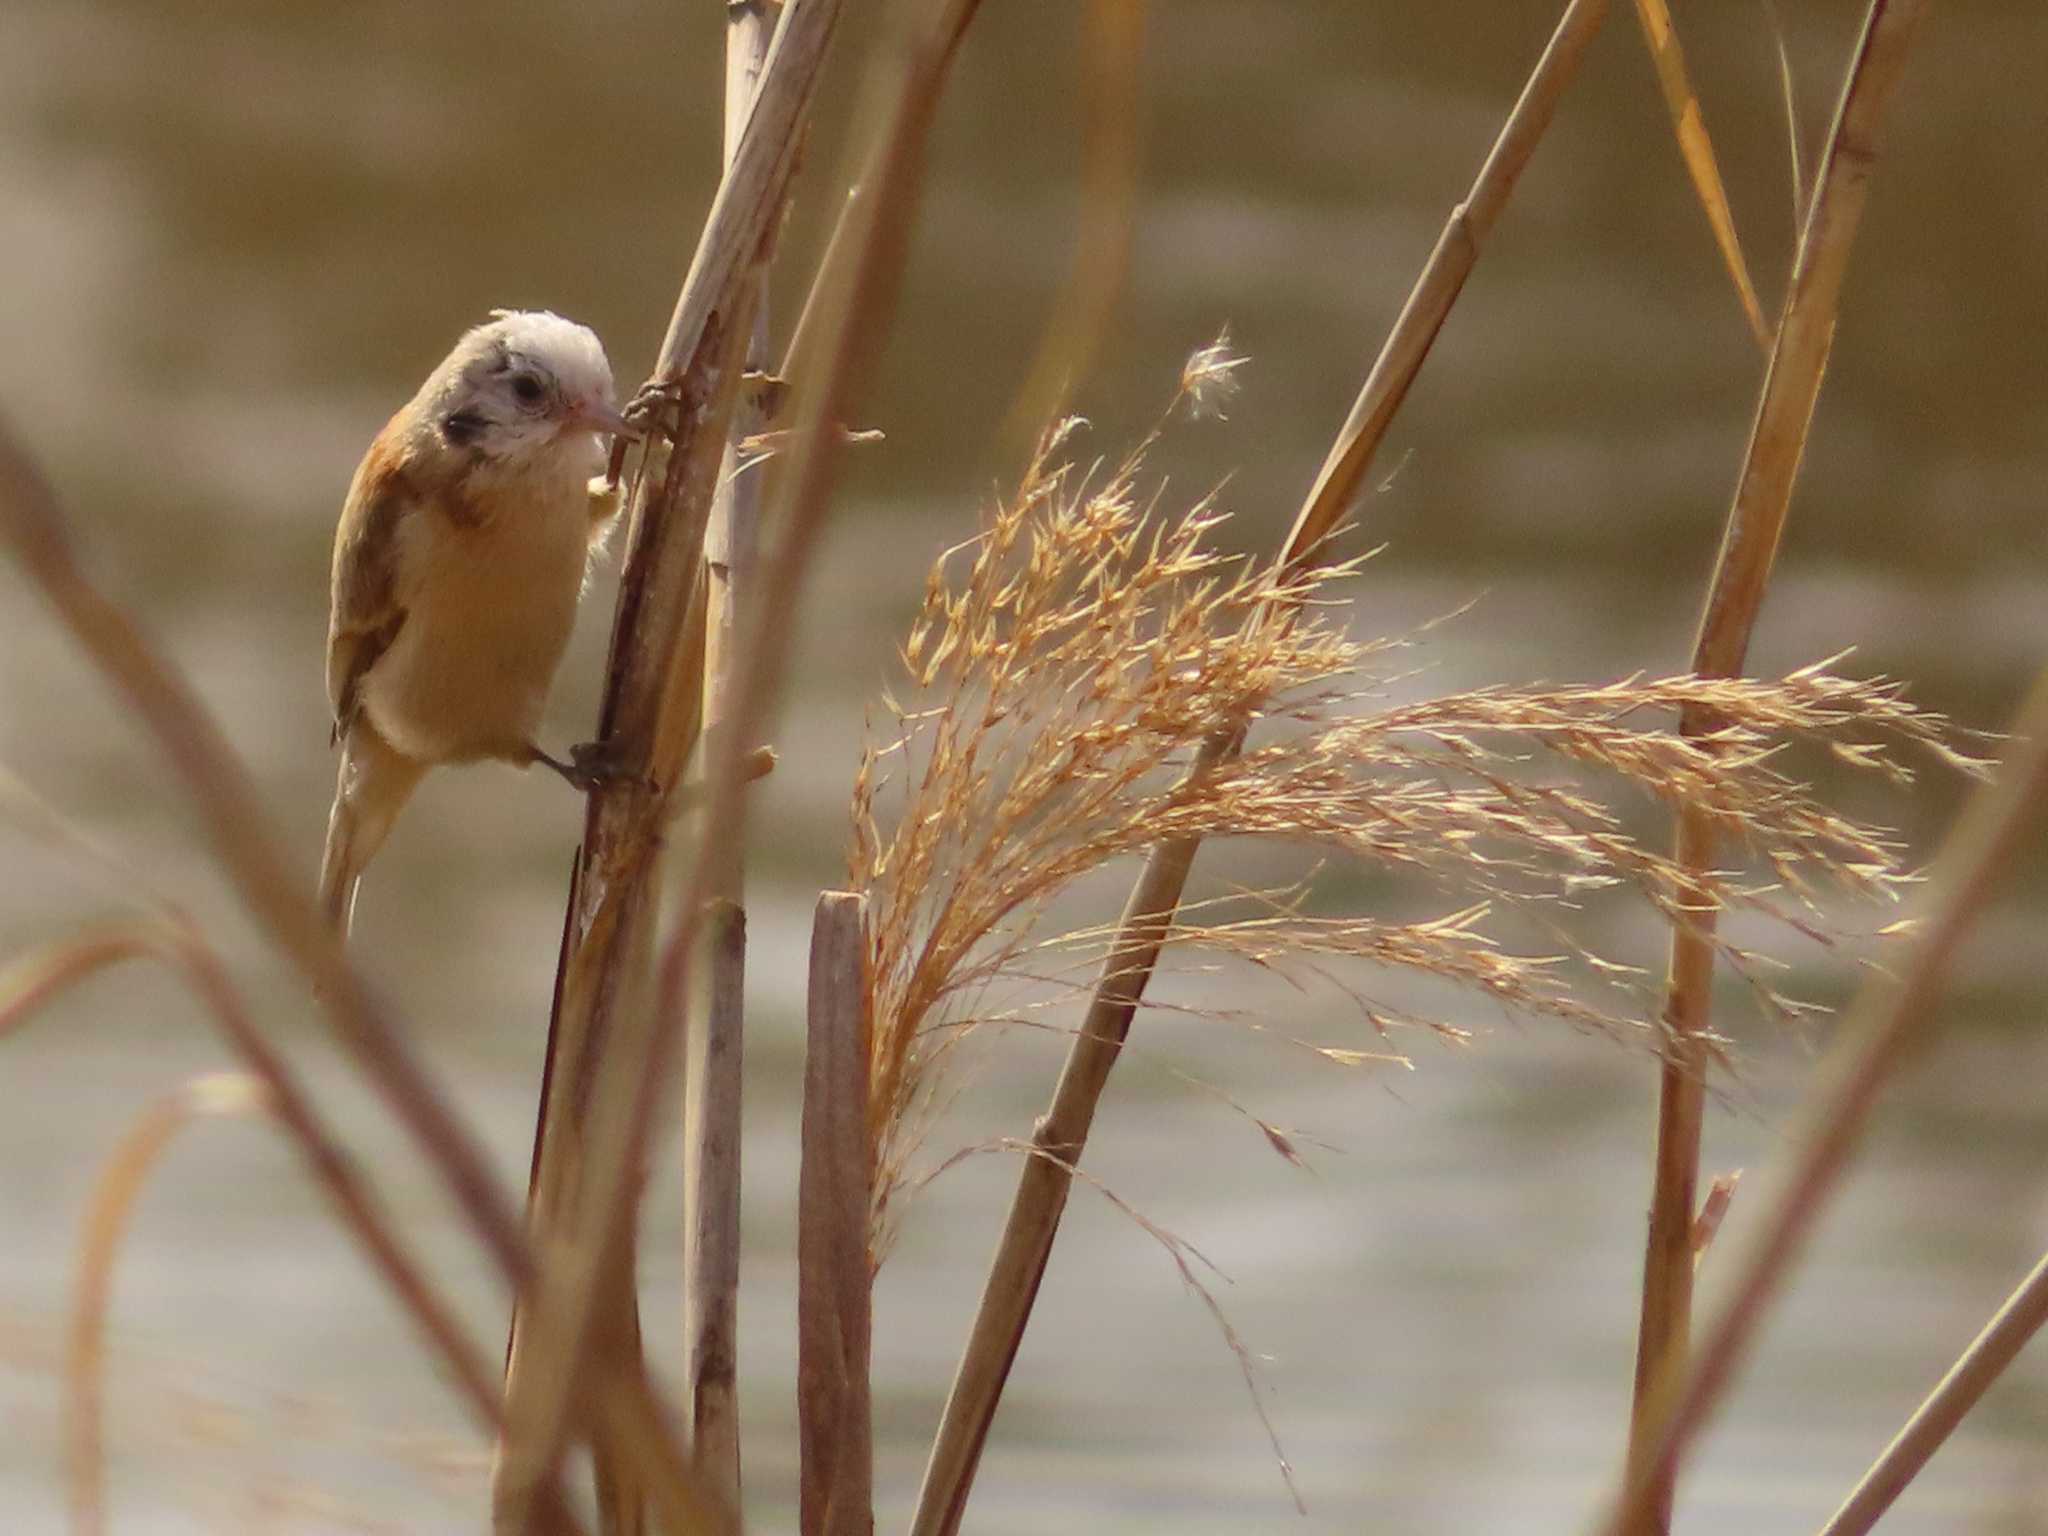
524 386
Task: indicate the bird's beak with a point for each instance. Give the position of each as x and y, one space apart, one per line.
596 416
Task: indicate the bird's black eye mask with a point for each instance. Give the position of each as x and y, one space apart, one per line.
463 428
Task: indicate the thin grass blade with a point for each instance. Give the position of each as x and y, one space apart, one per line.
1697 150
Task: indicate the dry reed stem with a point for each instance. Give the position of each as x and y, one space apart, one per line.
33 980
634 1069
1026 1243
1697 150
279 899
169 937
845 318
946 30
602 1044
1891 1020
715 1043
1955 1395
1111 55
834 1303
113 1202
1756 520
711 1206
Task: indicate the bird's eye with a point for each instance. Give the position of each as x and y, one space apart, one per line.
528 389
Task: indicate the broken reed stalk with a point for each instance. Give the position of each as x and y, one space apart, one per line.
1062 1132
856 307
279 899
834 1294
714 1050
1935 1419
852 307
106 1222
847 314
1749 547
603 1040
1891 1020
845 319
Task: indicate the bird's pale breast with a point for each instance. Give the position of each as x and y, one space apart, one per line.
489 603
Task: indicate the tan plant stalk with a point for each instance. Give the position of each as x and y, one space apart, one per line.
624 1077
113 1202
1021 1255
1890 1021
1756 520
282 905
844 320
834 1301
1935 1420
716 1029
587 1164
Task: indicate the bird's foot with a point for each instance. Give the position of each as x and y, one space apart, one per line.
651 405
593 765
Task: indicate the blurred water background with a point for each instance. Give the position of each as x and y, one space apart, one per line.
235 235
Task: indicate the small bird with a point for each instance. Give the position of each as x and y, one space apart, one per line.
458 563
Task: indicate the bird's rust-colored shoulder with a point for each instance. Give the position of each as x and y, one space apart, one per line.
365 615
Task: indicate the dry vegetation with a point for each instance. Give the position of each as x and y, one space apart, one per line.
1091 681
1066 667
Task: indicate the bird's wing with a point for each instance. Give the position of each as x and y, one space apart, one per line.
367 613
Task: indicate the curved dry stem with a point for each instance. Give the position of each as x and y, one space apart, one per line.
280 901
113 1204
33 981
171 940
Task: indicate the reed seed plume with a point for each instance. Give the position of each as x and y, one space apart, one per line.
1066 664
1209 377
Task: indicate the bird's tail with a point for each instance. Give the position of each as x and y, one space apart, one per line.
374 783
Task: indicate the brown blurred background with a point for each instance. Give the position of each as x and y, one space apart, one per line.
234 236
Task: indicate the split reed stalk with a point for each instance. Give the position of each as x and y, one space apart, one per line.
616 1057
1060 1135
851 306
1957 1393
1890 1021
834 1297
716 1029
1749 547
279 899
844 319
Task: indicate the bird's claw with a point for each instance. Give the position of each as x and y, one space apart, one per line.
651 402
595 765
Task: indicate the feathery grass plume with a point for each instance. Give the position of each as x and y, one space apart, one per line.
1067 662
